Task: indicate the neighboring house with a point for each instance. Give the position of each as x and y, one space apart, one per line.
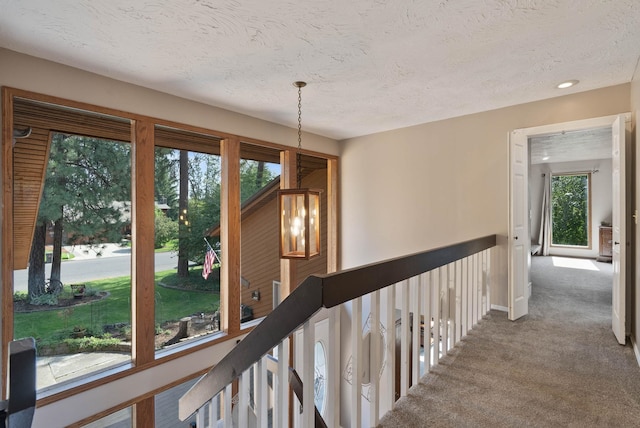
125 218
260 263
400 192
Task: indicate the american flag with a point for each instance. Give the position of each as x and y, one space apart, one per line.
209 260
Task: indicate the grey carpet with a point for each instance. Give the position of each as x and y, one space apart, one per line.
560 366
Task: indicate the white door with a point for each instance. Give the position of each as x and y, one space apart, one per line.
618 220
519 237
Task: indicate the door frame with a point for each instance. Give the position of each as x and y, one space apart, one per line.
522 135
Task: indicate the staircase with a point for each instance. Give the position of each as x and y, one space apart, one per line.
359 339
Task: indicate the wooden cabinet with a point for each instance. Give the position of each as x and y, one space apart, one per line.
606 244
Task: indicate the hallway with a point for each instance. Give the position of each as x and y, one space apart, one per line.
558 366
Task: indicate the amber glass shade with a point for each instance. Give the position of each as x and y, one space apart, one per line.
299 223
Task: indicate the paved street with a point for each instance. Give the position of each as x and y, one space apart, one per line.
114 262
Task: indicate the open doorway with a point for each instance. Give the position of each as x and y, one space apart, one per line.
521 212
570 193
570 199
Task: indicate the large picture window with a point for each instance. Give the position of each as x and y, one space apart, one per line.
570 206
110 218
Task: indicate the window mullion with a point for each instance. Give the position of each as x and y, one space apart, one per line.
230 235
143 232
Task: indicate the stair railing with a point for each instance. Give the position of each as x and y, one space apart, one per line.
433 298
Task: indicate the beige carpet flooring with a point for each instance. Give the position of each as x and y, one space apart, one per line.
560 366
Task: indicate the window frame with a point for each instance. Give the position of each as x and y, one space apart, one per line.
589 219
143 144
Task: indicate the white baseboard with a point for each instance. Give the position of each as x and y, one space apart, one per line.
500 308
636 350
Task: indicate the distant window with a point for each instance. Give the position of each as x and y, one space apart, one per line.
570 202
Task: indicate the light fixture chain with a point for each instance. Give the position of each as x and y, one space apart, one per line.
298 154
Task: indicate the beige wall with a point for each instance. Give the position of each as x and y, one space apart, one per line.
433 184
38 75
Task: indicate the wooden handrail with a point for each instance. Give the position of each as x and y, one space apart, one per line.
314 293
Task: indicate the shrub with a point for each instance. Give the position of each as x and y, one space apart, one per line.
20 296
50 299
166 229
91 343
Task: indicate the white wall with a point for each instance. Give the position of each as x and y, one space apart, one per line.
601 201
434 184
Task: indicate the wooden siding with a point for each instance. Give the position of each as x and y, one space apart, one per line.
31 155
260 260
260 254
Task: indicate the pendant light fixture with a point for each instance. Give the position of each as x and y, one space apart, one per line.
299 209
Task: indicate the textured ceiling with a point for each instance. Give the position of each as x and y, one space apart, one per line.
371 65
569 146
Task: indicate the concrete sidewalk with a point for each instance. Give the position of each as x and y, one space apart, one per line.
55 369
83 252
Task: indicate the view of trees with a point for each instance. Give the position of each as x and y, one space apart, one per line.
87 194
570 209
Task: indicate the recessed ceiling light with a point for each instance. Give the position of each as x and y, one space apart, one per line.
567 84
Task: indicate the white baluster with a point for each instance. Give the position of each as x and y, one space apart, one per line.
213 411
405 339
308 374
334 370
469 293
444 284
375 359
389 397
200 416
457 319
488 279
228 415
356 362
261 394
473 287
479 281
425 278
422 325
435 286
484 283
281 381
415 342
464 281
243 398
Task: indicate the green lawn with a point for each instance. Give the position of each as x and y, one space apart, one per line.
169 246
171 304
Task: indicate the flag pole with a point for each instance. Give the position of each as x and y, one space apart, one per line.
208 245
214 251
